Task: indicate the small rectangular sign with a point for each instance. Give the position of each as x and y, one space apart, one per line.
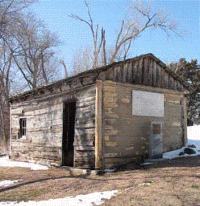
147 103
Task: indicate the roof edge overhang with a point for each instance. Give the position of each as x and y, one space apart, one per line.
100 69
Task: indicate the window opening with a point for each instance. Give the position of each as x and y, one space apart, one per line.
22 123
156 128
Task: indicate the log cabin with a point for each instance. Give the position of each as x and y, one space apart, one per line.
102 118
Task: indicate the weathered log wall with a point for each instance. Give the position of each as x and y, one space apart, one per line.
43 140
84 140
44 117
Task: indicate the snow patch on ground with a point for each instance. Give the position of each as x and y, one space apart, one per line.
193 132
110 170
6 183
193 138
194 135
96 198
6 162
175 153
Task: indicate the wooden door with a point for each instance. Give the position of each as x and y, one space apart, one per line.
156 141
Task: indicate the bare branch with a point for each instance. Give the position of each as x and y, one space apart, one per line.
104 47
65 68
88 11
143 18
120 33
130 30
126 49
98 43
79 19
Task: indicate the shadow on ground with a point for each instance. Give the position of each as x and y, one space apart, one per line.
190 161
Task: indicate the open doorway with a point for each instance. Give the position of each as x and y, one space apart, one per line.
69 111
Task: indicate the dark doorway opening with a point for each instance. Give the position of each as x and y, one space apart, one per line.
69 111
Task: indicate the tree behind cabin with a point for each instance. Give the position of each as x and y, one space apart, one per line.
190 72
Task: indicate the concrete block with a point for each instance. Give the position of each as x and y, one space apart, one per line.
110 88
108 110
107 138
111 115
109 82
173 102
108 127
125 100
111 144
110 94
110 121
111 132
110 155
110 104
110 99
130 148
176 124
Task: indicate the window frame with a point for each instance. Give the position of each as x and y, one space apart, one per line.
22 127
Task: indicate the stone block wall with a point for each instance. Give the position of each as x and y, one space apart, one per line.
126 136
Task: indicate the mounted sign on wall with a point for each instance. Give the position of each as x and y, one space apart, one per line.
147 104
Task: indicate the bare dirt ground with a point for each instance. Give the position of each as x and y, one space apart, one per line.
172 182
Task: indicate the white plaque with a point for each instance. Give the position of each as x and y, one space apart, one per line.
147 104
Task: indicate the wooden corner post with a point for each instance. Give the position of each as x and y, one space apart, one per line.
184 120
98 126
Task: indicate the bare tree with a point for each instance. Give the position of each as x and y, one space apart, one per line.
82 60
5 70
98 43
9 11
34 50
140 19
27 52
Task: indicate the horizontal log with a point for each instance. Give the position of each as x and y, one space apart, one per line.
37 107
81 131
76 83
85 126
89 108
85 115
80 154
86 93
84 148
81 142
85 104
89 80
85 121
84 136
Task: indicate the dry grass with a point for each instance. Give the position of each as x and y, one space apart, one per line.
154 186
166 186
